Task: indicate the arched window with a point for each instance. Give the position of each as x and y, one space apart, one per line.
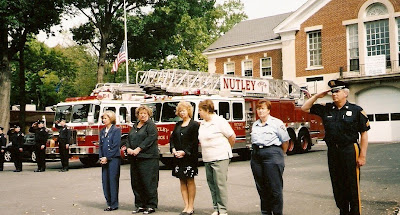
376 9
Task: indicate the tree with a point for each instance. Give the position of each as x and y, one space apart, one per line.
19 20
175 34
104 21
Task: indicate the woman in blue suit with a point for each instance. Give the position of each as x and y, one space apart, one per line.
110 159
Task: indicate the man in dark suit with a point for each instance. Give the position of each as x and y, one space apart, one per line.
17 147
3 142
64 138
41 136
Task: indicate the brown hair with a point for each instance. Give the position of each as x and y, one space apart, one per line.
263 102
184 105
144 107
207 105
110 114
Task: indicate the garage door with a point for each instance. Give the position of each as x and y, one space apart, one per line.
382 105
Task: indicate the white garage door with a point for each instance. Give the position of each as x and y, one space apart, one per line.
382 104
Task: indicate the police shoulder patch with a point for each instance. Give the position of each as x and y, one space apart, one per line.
363 113
283 127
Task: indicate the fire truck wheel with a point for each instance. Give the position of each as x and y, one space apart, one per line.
167 162
244 154
89 161
304 141
292 142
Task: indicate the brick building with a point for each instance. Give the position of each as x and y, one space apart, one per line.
356 41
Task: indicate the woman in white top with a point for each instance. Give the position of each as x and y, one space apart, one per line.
216 137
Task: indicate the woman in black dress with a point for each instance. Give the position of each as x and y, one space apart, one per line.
184 145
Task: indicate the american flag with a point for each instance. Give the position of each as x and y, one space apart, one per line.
121 57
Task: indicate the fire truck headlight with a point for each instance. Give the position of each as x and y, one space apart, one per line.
81 132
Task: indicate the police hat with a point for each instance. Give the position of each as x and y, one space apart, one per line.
16 126
1 128
337 85
40 122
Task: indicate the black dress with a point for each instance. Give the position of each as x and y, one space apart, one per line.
185 138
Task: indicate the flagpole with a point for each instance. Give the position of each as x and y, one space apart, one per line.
126 45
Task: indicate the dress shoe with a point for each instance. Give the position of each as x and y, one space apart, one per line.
111 209
149 211
17 170
61 170
38 170
138 210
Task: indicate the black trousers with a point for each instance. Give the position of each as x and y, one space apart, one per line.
268 165
1 161
144 181
345 177
40 157
17 157
64 154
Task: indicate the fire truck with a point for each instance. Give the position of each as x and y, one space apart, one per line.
235 98
83 118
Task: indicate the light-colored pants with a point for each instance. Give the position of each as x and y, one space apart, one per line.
217 176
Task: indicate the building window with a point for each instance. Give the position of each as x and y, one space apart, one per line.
353 47
378 39
376 9
247 68
266 67
314 48
398 38
229 68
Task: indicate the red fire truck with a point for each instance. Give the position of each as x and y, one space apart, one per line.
235 98
82 115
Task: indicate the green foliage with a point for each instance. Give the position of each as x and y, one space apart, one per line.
53 74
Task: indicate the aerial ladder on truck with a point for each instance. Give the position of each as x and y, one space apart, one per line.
302 127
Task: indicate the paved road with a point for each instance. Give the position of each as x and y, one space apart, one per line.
307 189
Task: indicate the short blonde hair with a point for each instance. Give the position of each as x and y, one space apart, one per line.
143 107
110 114
184 105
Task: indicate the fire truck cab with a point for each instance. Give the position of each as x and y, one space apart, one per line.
83 118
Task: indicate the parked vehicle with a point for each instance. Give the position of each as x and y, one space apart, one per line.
235 98
28 149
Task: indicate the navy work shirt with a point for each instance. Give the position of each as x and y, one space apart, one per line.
342 126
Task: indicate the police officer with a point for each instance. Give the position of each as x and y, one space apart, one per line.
343 122
3 143
63 143
269 139
17 139
41 136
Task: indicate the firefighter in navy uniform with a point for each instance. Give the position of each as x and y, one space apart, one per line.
17 139
41 136
3 143
344 122
64 138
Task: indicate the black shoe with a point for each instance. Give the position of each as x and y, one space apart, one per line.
61 170
42 170
138 210
17 170
38 170
149 211
111 209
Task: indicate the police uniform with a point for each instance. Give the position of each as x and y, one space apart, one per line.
267 163
3 143
41 136
342 129
64 139
17 139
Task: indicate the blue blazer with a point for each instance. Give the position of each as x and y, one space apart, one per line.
110 143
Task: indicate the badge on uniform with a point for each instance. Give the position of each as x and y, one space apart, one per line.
349 113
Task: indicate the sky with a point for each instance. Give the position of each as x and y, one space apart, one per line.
253 8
